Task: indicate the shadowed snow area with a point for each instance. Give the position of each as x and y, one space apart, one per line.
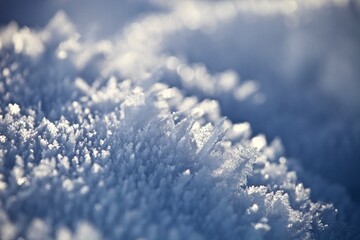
179 119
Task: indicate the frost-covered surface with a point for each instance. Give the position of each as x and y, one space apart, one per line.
136 135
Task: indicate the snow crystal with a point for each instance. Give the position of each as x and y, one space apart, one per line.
14 109
134 136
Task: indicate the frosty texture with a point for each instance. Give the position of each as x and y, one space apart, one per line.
119 139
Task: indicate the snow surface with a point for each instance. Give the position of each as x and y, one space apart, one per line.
179 124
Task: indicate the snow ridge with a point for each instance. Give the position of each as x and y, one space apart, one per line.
95 144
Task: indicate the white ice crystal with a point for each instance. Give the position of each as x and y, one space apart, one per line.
130 138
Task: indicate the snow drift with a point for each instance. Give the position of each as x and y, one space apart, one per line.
137 136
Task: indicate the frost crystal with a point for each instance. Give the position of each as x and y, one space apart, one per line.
119 139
